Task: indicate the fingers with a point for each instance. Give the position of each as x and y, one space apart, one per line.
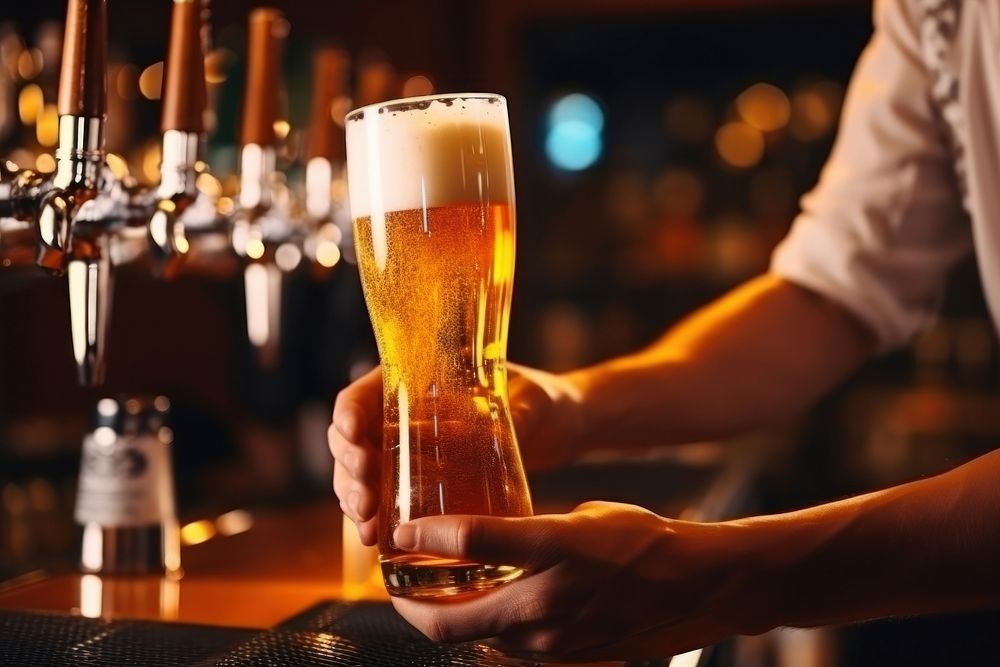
352 437
489 615
358 496
355 475
358 407
527 542
368 532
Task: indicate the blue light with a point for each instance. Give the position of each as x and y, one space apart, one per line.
577 107
574 139
573 145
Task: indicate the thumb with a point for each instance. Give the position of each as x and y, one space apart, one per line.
519 541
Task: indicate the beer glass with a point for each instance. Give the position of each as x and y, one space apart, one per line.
431 192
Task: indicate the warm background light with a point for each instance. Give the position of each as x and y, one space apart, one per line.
47 126
739 144
197 532
418 85
45 163
764 107
151 81
30 103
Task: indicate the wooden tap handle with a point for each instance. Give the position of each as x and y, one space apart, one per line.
83 76
184 81
267 32
330 70
376 81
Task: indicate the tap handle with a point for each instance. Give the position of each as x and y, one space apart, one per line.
268 29
376 80
184 82
326 138
83 77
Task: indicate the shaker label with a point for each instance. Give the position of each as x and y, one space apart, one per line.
125 483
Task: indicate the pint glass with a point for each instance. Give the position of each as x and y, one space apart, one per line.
432 197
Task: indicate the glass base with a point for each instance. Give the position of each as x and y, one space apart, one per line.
440 578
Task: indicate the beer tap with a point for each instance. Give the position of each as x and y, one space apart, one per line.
76 212
83 221
260 229
180 208
325 186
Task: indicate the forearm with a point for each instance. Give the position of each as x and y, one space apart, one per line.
757 355
927 546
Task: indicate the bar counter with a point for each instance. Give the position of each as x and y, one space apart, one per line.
301 566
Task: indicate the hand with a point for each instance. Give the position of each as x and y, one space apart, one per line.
547 413
607 581
544 407
355 440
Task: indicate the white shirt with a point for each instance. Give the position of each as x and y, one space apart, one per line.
913 182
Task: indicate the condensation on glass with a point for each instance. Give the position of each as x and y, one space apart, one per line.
432 196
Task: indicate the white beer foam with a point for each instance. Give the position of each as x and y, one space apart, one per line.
424 152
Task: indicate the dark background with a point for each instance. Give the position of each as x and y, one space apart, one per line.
607 257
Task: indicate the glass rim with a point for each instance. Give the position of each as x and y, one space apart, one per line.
419 102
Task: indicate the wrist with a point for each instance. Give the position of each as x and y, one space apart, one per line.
756 573
750 593
721 576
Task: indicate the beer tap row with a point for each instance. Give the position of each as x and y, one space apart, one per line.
87 220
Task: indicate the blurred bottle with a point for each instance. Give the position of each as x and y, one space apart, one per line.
125 500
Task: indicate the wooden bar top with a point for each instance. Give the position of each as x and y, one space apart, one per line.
285 562
282 561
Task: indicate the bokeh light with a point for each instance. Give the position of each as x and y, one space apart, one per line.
739 145
29 63
764 107
45 163
281 129
151 81
217 65
417 86
30 102
815 108
575 126
47 126
151 158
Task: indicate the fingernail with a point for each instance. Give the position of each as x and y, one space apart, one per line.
353 500
405 536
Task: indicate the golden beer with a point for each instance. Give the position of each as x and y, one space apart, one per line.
437 274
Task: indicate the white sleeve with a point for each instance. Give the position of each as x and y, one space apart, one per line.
884 225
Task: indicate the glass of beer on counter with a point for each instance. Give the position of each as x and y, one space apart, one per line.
431 191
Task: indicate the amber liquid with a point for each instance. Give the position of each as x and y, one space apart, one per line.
437 285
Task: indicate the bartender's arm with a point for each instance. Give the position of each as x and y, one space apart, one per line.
759 354
860 273
611 581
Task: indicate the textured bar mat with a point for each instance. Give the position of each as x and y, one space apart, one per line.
43 639
331 633
364 633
